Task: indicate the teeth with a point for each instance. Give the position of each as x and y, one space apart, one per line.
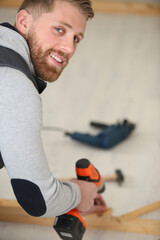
56 58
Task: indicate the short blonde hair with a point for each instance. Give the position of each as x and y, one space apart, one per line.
41 6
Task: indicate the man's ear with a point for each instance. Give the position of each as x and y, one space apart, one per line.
23 22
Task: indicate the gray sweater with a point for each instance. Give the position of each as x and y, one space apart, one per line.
34 185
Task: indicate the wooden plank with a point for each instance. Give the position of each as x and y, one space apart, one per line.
140 212
145 226
126 7
10 211
122 7
10 3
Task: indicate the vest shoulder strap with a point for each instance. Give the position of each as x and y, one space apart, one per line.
10 58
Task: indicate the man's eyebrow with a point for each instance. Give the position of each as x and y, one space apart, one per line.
69 26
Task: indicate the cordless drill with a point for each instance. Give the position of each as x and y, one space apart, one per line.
71 225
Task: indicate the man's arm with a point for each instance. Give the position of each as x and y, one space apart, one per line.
35 187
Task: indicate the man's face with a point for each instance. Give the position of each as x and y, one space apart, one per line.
53 39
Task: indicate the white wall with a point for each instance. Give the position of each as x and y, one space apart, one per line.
114 75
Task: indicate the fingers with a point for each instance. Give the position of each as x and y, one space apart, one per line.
91 202
88 194
98 206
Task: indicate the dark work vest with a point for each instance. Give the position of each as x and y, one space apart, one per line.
11 59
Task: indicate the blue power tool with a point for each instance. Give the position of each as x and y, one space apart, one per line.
108 137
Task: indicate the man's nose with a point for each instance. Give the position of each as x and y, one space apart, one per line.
68 46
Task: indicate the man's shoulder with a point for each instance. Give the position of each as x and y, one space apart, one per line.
8 25
10 58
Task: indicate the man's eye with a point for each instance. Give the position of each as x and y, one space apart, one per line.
59 30
76 39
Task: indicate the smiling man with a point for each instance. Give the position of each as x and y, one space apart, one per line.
36 50
53 37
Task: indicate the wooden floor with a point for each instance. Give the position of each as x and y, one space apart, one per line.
115 74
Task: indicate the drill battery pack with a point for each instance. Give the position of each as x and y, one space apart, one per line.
69 226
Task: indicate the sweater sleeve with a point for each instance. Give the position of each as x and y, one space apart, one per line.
34 186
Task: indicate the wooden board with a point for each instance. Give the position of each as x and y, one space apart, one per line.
122 7
10 211
10 3
125 7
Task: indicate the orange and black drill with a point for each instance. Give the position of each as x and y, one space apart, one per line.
71 226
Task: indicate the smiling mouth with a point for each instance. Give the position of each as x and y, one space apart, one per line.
55 57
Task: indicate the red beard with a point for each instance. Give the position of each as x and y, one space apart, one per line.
44 70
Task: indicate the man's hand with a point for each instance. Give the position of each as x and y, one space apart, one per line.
91 202
99 205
